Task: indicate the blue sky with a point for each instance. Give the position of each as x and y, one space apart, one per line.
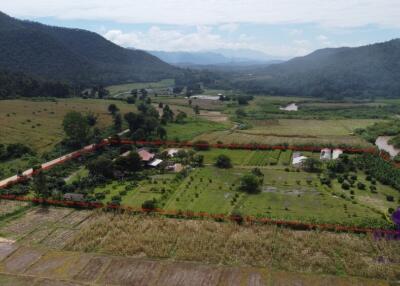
282 29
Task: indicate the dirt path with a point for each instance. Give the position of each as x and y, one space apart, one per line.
22 265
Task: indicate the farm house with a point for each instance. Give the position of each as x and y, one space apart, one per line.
336 154
326 154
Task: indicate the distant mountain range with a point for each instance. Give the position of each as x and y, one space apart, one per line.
372 70
73 55
216 57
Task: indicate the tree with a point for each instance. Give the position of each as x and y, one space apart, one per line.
180 118
149 205
168 114
40 186
113 109
117 122
223 161
311 165
91 119
101 167
250 183
197 160
76 127
129 164
131 100
162 133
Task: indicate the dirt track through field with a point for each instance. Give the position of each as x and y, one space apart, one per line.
22 265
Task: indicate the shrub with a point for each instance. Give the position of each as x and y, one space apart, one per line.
149 204
390 198
360 186
345 186
250 184
223 161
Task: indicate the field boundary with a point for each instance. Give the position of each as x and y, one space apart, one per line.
188 214
384 233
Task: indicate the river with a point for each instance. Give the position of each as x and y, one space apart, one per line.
382 143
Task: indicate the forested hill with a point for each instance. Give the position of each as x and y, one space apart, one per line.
73 55
366 71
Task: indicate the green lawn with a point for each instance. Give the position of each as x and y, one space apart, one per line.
191 128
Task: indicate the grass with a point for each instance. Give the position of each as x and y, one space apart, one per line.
286 194
230 244
192 128
295 131
41 121
121 88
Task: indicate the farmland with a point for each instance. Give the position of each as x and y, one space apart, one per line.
286 192
45 238
126 88
40 121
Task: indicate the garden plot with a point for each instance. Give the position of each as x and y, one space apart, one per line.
75 218
34 219
58 238
131 272
207 189
60 265
10 207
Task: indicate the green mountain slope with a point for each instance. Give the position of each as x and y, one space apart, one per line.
73 55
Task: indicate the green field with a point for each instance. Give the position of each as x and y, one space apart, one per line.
192 128
121 88
39 123
286 194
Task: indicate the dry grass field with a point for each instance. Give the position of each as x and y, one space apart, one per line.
155 247
39 123
230 244
295 131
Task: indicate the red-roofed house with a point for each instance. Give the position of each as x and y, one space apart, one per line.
145 155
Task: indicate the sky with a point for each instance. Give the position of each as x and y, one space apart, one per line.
279 28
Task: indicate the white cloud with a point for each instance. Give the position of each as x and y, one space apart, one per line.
202 39
324 40
174 40
230 28
338 13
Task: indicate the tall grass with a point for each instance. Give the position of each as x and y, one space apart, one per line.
231 244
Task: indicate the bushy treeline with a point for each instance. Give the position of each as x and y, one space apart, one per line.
378 168
14 85
13 151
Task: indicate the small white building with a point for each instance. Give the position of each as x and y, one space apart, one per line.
336 154
155 163
172 152
326 154
298 159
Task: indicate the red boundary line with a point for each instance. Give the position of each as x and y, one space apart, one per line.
188 214
203 215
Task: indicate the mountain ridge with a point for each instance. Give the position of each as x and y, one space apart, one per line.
73 55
